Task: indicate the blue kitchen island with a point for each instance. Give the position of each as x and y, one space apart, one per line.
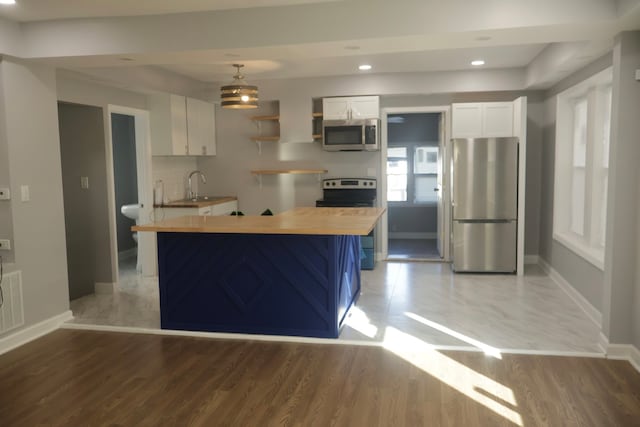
297 273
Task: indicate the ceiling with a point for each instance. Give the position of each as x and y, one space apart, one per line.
200 39
41 10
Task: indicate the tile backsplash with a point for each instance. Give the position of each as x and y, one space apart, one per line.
173 171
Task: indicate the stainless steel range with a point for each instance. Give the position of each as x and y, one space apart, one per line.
352 192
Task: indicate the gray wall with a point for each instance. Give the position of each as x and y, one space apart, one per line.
620 314
6 223
82 146
582 275
31 131
228 173
124 174
417 129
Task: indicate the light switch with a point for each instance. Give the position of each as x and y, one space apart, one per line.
84 182
24 193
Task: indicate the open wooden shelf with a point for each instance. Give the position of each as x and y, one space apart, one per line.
265 118
317 115
265 138
288 171
317 136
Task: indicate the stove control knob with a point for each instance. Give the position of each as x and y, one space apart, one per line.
333 183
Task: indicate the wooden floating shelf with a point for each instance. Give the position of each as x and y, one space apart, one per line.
317 115
265 138
288 171
317 136
264 118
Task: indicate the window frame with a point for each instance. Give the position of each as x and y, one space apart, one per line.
595 91
411 175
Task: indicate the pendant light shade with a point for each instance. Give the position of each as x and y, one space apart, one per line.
239 95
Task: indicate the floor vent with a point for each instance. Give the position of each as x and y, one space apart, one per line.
11 312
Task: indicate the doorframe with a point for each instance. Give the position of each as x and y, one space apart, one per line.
146 241
445 110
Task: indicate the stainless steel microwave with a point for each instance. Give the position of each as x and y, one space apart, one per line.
351 135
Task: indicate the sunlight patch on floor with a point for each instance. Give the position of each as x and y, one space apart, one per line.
359 321
488 350
454 374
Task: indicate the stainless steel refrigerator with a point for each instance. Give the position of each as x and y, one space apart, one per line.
485 204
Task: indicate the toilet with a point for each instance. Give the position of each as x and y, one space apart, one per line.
133 212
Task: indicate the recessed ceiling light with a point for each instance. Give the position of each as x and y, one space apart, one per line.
364 67
477 62
7 1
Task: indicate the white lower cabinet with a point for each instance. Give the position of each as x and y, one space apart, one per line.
219 209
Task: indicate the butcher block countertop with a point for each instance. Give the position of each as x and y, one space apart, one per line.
200 202
323 221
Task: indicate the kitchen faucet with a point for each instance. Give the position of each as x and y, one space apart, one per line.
191 194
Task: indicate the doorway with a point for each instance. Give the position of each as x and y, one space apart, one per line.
125 173
414 189
129 158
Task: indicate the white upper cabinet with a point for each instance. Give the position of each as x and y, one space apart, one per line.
351 108
181 126
482 119
201 133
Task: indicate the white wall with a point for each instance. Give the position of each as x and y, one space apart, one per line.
31 126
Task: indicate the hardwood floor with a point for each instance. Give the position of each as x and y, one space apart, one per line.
82 378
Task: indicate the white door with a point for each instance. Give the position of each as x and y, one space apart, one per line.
365 107
440 187
335 109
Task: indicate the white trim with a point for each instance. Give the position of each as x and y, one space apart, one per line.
626 352
603 341
531 259
591 312
445 110
33 332
309 340
589 254
128 254
104 288
412 235
520 130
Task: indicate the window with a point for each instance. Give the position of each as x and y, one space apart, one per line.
583 126
415 184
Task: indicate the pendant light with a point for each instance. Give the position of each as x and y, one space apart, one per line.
239 95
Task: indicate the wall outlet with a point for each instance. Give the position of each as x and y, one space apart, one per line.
5 193
5 244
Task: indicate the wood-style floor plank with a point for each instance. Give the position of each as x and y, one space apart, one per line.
72 378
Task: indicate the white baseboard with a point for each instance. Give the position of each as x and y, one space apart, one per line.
128 254
104 288
603 342
531 259
411 235
626 352
33 332
592 312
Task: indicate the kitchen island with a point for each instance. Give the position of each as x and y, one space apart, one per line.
296 273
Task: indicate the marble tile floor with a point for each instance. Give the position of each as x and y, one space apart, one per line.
413 249
423 301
